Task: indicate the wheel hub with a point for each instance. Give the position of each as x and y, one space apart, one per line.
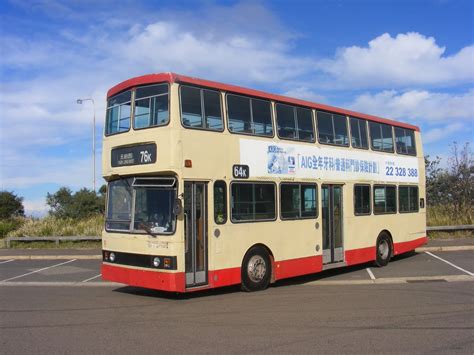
257 268
383 249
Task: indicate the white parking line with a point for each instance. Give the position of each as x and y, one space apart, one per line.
371 274
92 278
35 271
7 261
449 263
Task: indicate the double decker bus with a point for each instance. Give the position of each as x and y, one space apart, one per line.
212 185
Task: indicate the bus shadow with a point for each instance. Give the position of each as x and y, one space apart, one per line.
145 292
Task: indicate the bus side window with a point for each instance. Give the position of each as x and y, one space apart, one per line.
381 137
201 108
385 199
249 116
220 202
408 198
361 200
332 129
405 141
298 201
359 133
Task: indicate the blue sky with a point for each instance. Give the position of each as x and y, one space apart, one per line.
407 60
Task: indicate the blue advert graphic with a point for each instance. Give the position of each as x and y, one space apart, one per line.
279 161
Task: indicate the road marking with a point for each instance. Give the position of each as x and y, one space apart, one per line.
391 280
371 274
35 271
449 263
380 281
445 248
7 261
51 257
91 278
61 284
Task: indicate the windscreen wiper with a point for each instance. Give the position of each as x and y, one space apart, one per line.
147 229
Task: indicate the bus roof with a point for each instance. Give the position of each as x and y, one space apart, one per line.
177 78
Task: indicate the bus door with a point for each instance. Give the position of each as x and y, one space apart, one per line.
195 224
332 223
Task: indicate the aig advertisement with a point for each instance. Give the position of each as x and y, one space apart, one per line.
291 160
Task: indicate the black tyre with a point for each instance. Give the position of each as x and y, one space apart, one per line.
256 270
383 250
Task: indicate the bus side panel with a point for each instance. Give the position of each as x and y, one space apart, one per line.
225 277
404 247
360 256
297 267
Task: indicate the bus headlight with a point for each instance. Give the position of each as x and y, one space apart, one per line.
112 257
156 261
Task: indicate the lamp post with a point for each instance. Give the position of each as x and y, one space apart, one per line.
80 101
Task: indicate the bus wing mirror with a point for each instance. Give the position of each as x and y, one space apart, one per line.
177 207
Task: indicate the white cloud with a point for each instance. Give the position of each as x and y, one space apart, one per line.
36 208
405 60
435 134
422 106
305 93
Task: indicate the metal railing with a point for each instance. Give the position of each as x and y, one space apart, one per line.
51 239
96 239
450 228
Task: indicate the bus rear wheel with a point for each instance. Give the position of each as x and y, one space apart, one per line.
256 269
383 250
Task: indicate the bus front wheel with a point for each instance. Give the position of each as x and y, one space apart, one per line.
256 269
383 250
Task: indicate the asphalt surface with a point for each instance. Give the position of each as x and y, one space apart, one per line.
419 303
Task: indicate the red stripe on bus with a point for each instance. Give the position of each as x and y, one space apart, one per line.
297 267
141 80
403 247
360 256
172 77
175 282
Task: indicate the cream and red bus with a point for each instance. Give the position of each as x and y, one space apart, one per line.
212 185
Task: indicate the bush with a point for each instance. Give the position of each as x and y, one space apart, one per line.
9 225
60 227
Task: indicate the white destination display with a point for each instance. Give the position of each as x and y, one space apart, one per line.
292 160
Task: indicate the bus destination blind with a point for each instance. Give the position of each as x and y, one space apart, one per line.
134 155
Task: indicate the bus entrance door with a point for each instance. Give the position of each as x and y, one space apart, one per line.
332 223
195 221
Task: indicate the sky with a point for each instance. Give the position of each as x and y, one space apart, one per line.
411 61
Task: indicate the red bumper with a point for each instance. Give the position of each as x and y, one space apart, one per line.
165 281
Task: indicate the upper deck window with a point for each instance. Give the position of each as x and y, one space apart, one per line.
252 116
381 137
151 106
119 110
405 141
332 129
359 133
201 108
294 123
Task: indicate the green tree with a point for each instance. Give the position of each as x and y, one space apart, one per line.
452 187
461 178
11 205
82 204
